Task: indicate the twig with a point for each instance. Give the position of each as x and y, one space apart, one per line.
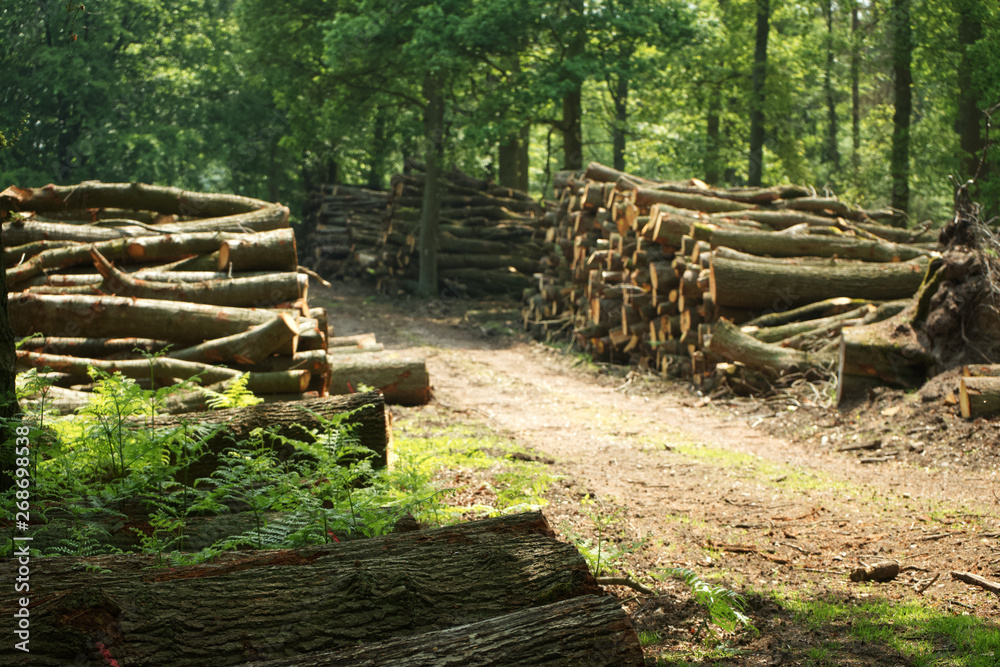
937 536
625 581
923 587
312 274
976 580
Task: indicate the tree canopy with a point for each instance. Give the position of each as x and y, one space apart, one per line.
270 99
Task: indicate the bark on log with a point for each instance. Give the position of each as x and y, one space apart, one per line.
782 286
165 368
276 604
979 396
807 245
890 353
645 198
92 347
782 332
730 343
265 291
825 308
778 219
402 381
111 316
269 251
585 630
248 347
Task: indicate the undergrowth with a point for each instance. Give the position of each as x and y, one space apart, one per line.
109 480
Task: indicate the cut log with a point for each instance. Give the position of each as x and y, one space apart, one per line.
824 308
808 245
161 368
782 286
646 197
110 316
92 347
728 342
248 347
890 353
778 219
979 396
320 597
269 251
266 291
779 333
585 630
402 381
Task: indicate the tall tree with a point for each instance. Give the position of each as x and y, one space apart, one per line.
902 56
969 118
756 168
831 152
855 87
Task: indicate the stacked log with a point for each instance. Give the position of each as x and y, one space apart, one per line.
104 274
481 593
344 229
648 271
489 241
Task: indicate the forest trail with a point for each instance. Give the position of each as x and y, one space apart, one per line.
709 491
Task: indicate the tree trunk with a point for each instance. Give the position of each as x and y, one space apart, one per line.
855 88
430 213
713 141
267 251
781 286
730 343
572 101
265 291
270 605
403 381
585 630
902 53
755 171
9 408
831 153
969 119
513 160
619 95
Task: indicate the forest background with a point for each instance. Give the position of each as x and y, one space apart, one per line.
877 101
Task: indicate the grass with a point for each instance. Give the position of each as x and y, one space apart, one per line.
924 635
477 464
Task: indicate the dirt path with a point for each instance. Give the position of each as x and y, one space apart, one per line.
710 492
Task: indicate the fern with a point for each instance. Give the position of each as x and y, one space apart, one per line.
724 608
236 395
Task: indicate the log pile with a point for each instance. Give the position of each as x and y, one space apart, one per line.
489 242
103 274
344 229
737 286
496 591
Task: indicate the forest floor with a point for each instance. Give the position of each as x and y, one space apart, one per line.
777 500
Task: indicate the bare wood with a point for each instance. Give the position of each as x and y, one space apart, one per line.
979 396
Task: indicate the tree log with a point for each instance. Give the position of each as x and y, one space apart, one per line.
800 245
266 291
782 286
885 351
92 347
271 251
248 347
402 381
319 598
979 396
730 343
585 630
115 316
645 198
782 332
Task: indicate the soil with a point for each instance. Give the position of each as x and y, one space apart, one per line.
764 496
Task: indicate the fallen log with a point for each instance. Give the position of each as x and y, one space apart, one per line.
976 580
402 381
824 308
321 597
782 286
92 347
586 630
264 291
892 354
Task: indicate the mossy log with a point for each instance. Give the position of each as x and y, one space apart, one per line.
281 604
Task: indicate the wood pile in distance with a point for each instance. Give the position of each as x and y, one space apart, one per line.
344 229
737 286
100 273
489 242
